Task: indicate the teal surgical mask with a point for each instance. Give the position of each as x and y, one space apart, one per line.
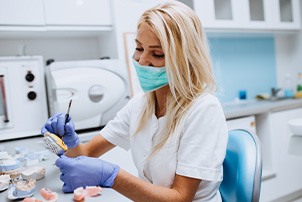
150 78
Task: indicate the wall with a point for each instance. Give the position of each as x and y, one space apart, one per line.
245 63
289 52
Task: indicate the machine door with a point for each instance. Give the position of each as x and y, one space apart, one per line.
94 91
4 104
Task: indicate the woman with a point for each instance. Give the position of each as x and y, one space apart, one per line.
176 129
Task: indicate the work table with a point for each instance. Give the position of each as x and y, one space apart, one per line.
52 175
254 107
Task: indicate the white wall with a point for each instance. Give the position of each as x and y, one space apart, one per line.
289 56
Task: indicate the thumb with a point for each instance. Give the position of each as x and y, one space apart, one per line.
43 130
62 161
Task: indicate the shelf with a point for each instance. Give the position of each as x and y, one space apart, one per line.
53 31
267 174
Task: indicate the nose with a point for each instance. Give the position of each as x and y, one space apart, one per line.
144 60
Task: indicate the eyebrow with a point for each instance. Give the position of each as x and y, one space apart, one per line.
152 46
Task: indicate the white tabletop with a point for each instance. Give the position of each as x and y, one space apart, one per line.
52 176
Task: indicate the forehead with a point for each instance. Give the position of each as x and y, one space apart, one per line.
145 35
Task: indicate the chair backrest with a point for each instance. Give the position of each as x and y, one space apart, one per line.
242 168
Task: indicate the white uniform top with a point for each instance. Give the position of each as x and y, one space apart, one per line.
198 151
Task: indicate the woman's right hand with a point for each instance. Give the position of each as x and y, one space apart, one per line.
56 125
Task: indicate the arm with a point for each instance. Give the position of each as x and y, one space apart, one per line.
183 188
89 171
96 147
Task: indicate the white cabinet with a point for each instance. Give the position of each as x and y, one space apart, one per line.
249 14
247 123
25 12
286 157
219 14
77 12
44 15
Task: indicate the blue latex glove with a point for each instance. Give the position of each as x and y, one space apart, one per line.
86 171
56 125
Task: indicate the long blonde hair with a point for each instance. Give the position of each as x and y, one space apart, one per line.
187 62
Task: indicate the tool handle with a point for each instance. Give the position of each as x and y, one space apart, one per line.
66 118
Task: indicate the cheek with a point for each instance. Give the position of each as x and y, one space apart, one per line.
158 62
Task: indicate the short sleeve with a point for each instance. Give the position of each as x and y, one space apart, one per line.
203 142
116 131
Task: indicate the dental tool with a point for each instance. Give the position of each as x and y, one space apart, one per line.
67 114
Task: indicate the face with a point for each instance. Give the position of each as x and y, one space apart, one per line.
148 51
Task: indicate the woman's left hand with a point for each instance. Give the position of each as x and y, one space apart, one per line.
85 171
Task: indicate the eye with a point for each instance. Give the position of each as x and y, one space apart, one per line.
139 49
158 56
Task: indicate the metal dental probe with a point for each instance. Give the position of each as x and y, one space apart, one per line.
67 116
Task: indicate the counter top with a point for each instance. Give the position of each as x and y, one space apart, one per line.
52 175
254 107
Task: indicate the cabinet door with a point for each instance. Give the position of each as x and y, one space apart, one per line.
217 14
25 12
78 12
285 14
247 123
287 157
249 14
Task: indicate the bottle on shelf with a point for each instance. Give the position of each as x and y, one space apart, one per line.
288 89
299 86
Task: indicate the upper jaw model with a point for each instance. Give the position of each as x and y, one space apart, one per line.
21 189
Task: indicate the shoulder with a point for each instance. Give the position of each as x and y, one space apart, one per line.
139 96
138 99
205 101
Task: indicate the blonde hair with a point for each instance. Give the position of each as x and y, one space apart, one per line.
187 62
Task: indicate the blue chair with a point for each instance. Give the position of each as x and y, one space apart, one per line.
242 168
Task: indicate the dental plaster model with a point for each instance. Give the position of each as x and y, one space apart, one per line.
81 193
4 182
31 158
21 189
49 195
55 143
43 155
35 172
9 164
21 150
13 173
31 200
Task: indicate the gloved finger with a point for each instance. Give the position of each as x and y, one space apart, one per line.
44 130
55 116
69 127
66 188
61 152
63 178
47 127
61 125
62 163
53 124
